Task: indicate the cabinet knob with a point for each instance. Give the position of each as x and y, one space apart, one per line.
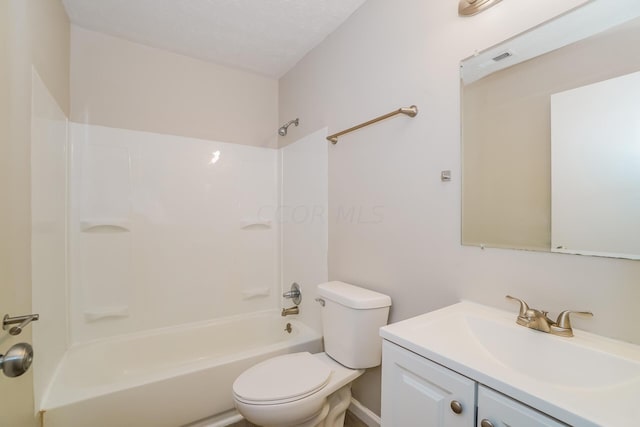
456 407
486 423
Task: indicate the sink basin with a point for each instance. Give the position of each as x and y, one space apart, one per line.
583 380
547 358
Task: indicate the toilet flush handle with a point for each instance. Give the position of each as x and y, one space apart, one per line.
321 301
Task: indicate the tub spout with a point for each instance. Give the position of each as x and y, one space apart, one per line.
290 310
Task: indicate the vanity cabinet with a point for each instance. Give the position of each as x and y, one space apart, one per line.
419 392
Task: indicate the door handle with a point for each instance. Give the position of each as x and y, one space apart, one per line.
17 360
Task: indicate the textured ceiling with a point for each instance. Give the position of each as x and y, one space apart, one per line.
265 36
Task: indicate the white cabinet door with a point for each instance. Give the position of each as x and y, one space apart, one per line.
498 410
417 392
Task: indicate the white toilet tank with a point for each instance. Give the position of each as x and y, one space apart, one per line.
351 318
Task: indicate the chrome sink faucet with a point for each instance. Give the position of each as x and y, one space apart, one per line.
539 320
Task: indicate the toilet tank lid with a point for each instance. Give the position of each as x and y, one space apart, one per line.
353 296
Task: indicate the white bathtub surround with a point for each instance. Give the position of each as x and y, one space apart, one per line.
255 293
157 231
175 247
48 234
102 190
167 377
304 220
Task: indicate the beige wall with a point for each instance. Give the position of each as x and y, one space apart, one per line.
34 33
507 138
121 84
392 54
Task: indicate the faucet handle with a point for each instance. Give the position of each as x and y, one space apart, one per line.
523 315
563 324
564 321
295 294
523 306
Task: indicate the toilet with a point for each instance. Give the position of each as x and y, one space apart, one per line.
314 390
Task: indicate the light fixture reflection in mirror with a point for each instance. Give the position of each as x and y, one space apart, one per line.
473 7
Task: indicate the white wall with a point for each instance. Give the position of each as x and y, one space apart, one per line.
171 243
121 84
403 234
304 221
48 233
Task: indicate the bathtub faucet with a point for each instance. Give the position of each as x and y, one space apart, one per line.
290 310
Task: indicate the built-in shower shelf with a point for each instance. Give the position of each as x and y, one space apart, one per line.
106 225
255 223
107 312
255 293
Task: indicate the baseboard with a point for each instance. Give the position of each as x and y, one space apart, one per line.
364 414
220 420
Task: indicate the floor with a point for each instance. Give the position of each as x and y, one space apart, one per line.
349 421
352 421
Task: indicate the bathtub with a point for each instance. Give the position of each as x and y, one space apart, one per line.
166 377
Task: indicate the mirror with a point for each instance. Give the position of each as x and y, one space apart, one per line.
551 136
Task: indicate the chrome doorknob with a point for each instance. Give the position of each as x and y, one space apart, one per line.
17 360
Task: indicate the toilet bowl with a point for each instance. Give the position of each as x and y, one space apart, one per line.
298 389
314 390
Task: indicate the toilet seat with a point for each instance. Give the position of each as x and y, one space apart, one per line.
282 379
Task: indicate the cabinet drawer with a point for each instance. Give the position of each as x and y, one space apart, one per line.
502 411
